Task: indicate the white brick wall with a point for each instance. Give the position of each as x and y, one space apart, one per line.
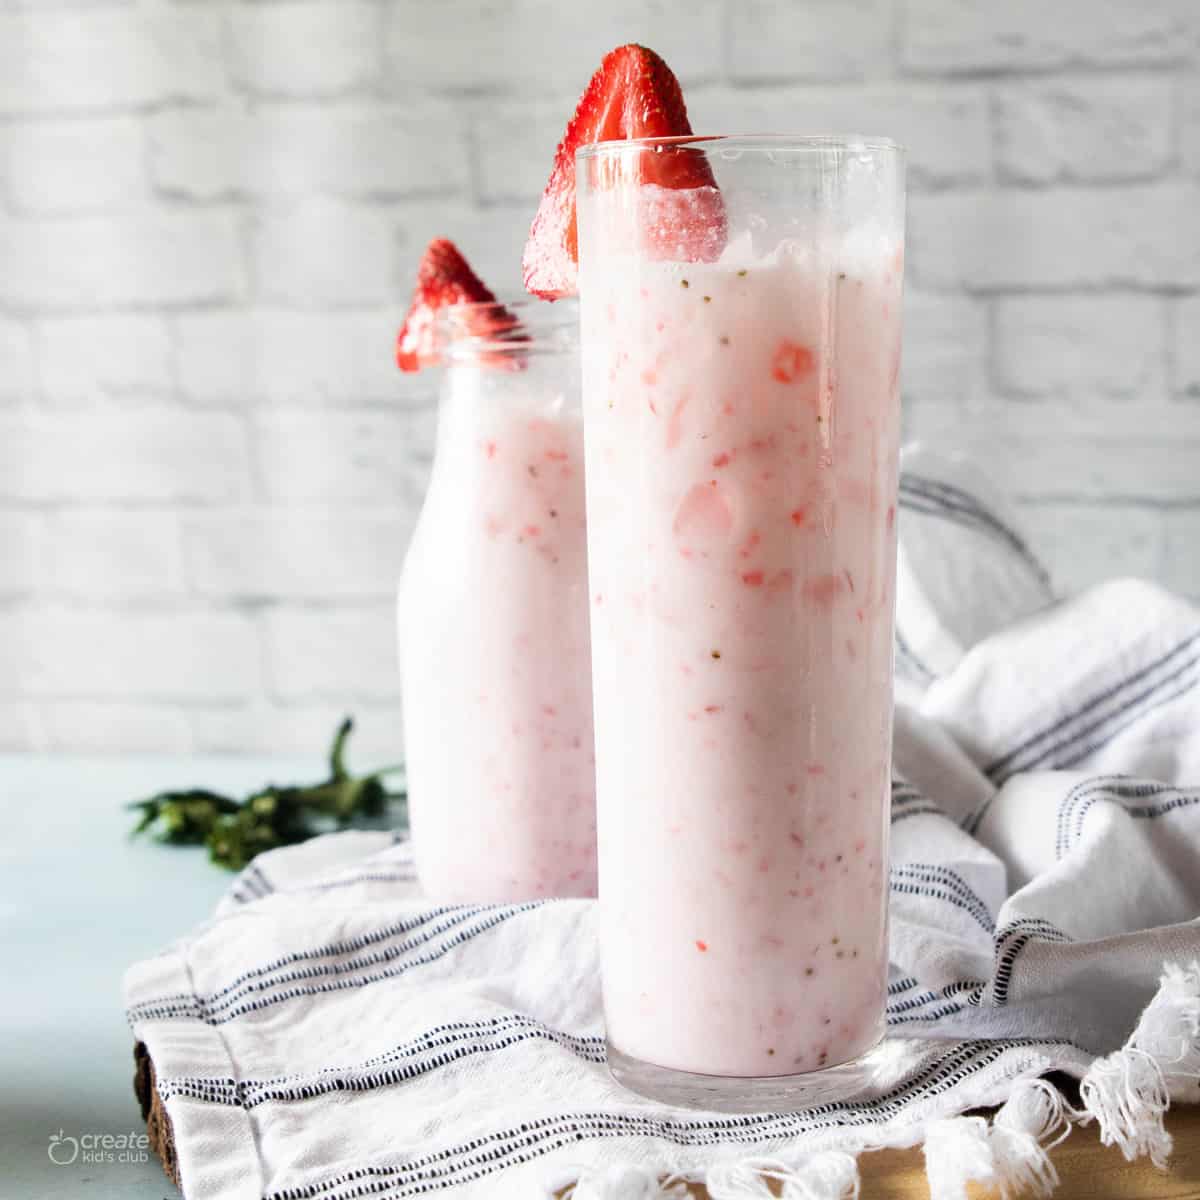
84 60
75 166
960 36
1083 130
111 356
1085 347
305 49
100 456
1187 346
17 379
1143 236
347 149
349 554
112 555
543 46
164 258
323 254
209 216
326 654
60 652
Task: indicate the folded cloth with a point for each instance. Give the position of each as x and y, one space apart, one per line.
329 1034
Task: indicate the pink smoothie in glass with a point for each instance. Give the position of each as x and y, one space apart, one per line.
742 423
494 643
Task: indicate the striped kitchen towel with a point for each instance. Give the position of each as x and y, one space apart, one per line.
330 1035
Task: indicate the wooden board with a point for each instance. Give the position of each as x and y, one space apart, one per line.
1088 1170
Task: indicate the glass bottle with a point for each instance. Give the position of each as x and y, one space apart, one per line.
493 619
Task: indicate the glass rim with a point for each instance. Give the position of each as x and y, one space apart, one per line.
774 142
521 301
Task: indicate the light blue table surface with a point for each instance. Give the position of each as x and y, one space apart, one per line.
79 901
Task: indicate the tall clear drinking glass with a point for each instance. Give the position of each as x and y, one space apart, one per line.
741 352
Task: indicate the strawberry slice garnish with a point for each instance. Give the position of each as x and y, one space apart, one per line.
445 278
634 94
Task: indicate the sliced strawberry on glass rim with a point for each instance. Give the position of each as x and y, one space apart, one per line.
633 94
445 280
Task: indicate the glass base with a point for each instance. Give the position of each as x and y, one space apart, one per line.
760 1093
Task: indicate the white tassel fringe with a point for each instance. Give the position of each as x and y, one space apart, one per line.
1034 1119
957 1151
1128 1091
1126 1095
831 1175
1169 1031
628 1183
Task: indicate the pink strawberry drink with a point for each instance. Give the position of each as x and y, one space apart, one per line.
494 630
742 422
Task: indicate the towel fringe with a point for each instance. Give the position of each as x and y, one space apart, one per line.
628 1182
1033 1120
957 1151
1125 1093
829 1175
1128 1092
1169 1031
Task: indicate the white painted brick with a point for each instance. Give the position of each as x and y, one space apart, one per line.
109 58
354 151
1082 545
377 739
1084 130
491 238
306 48
110 556
821 39
969 35
157 258
1187 346
69 654
16 362
1143 235
20 729
204 153
944 348
542 45
944 129
142 456
1107 452
84 358
1188 122
1181 556
346 654
46 5
243 356
1081 346
100 726
75 166
297 554
515 141
20 569
322 254
363 458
